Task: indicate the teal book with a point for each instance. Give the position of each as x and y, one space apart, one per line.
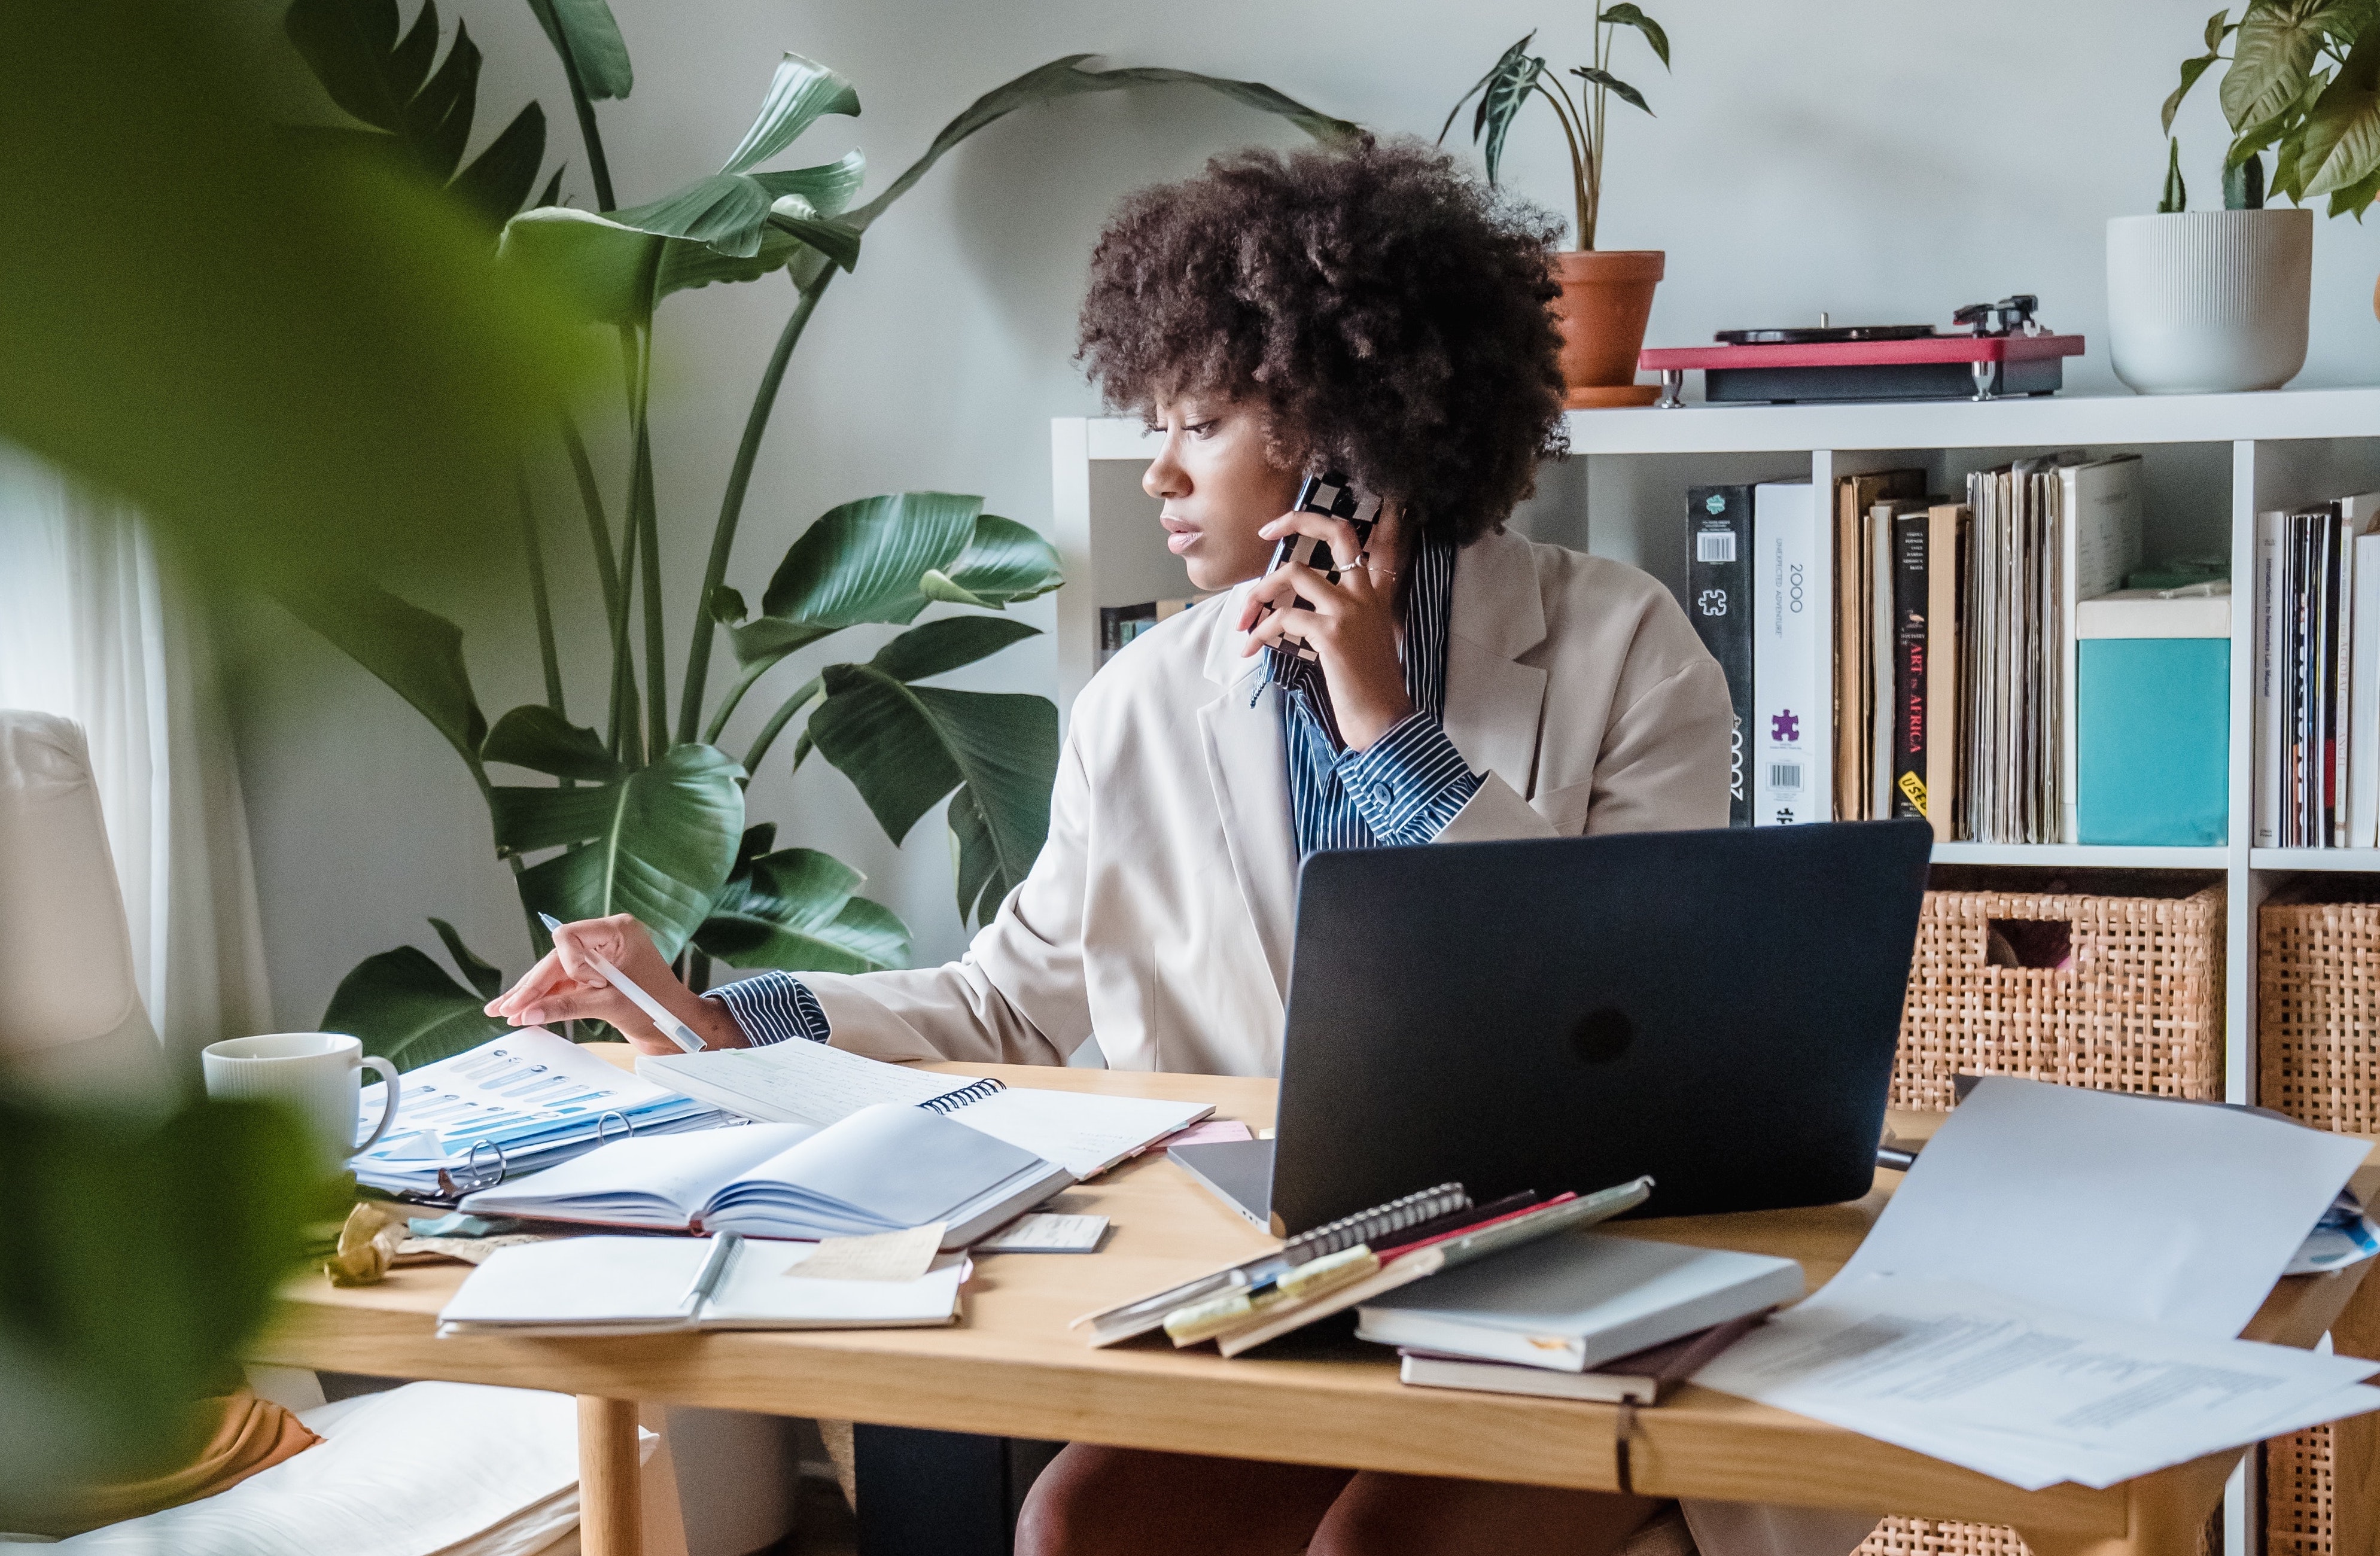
2153 681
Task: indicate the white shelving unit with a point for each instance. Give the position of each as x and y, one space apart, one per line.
2211 463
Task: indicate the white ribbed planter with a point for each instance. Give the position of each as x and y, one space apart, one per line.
2209 301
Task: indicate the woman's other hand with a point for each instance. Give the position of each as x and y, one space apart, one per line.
568 986
1351 626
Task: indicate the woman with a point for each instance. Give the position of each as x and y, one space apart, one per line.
1365 310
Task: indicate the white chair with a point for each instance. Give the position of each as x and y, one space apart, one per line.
71 1021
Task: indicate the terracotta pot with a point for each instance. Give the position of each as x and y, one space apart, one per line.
1606 298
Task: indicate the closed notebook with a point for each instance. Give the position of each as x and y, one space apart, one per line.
640 1285
1578 1300
1645 1377
883 1169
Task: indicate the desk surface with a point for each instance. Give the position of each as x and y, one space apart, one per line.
1013 1368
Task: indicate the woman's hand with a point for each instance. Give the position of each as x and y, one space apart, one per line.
566 986
1351 626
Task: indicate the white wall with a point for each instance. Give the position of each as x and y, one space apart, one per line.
1882 160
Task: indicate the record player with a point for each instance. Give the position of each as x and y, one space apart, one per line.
2002 351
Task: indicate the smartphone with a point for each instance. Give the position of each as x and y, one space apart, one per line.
1333 494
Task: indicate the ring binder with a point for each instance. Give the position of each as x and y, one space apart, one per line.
626 1122
472 1165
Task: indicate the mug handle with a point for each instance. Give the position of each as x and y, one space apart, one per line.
388 1108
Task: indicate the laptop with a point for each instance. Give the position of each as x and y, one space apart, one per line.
1719 1010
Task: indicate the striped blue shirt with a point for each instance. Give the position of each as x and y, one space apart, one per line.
1404 790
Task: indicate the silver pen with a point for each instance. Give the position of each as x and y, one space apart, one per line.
671 1027
723 1246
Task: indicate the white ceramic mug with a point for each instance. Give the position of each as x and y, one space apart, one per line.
318 1074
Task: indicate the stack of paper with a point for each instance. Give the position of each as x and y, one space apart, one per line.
524 1102
2053 1292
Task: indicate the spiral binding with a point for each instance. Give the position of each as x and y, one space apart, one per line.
1366 1226
952 1102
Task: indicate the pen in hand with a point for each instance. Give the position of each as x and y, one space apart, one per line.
671 1026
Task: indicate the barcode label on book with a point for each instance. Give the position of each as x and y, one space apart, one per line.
1784 774
1715 545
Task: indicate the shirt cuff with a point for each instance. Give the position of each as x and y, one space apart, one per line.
773 1007
1411 783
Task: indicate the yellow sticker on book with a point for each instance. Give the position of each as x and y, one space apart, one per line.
1914 787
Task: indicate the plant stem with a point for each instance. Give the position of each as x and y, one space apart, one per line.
777 722
1577 162
599 529
735 697
539 601
597 168
645 525
1603 31
620 734
731 506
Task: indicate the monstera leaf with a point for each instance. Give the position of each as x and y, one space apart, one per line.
793 910
656 843
384 79
404 1007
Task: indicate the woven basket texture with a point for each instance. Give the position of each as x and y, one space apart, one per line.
2138 1007
2298 1490
2318 1060
2318 1013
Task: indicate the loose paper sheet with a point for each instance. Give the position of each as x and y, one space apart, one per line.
890 1256
1043 1234
2030 1395
2053 1292
2124 1208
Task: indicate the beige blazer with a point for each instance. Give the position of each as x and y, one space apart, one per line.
1160 913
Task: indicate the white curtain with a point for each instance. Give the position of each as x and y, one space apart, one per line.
92 629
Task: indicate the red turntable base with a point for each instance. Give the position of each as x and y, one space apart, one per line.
1945 367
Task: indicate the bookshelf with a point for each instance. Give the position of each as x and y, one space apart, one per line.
2211 462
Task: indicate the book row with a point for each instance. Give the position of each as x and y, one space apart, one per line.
1996 661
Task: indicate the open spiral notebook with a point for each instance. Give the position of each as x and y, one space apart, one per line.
809 1083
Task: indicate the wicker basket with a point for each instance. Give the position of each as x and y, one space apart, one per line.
2318 1060
2137 1005
2123 993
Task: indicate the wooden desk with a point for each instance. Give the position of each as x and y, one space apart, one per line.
1013 1368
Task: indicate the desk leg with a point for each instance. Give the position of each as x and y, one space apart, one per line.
2168 1511
610 1521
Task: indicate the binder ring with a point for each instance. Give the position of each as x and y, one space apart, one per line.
472 1165
608 1114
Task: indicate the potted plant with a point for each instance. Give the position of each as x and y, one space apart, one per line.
2218 299
1607 295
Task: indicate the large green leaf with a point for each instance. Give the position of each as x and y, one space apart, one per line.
767 639
906 746
2340 146
793 910
355 50
537 738
585 32
799 94
2191 69
1627 93
2273 53
611 273
1507 87
419 655
404 1007
1066 77
482 975
863 561
1629 16
325 368
828 186
725 211
1004 562
947 644
143 1256
657 843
